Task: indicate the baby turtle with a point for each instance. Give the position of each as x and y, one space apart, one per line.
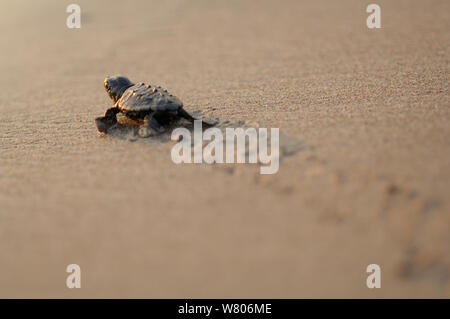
141 102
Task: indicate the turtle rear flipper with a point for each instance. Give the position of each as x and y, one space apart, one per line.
183 114
151 124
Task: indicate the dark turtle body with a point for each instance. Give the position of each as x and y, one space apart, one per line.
140 99
141 102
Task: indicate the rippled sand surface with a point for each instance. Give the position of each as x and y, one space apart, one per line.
364 117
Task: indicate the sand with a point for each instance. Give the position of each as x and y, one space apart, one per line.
367 184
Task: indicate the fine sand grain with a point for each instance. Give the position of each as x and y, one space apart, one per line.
365 176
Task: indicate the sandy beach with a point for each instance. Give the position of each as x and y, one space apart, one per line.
364 115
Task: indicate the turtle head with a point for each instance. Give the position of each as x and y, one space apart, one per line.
116 85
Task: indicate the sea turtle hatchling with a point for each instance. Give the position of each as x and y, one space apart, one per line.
141 102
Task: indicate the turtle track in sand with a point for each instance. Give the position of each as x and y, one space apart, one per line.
127 129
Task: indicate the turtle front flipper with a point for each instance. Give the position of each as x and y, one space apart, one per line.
105 122
150 127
